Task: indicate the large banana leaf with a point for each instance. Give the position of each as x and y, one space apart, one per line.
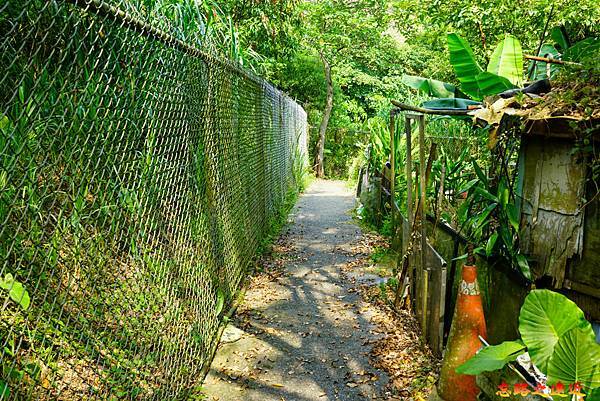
545 317
492 84
430 86
449 103
464 64
576 358
507 60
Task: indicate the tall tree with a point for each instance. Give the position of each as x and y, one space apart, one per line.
340 31
320 151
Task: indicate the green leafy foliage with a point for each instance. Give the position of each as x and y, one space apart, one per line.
465 66
540 70
560 342
545 317
507 60
492 358
429 86
478 83
576 358
16 291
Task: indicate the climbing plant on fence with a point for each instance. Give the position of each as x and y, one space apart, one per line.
138 176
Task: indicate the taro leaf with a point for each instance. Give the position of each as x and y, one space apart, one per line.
576 358
507 60
514 215
593 395
559 38
492 358
492 84
430 86
583 49
465 66
489 247
524 266
16 291
545 317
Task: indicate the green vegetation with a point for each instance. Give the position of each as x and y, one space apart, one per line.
560 342
132 199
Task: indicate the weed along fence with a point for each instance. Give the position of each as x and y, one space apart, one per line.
138 178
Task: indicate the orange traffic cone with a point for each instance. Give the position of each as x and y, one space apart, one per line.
463 342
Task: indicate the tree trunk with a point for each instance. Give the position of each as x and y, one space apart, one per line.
326 114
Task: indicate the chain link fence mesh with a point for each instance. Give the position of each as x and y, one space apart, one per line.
138 178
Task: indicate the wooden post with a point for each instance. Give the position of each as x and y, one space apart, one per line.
393 167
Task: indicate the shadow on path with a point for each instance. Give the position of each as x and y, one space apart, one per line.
305 335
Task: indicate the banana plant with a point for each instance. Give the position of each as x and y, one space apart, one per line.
504 71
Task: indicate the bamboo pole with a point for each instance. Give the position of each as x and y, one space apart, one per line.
393 166
423 189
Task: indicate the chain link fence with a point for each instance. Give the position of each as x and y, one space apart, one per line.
138 177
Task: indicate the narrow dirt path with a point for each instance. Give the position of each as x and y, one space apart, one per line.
303 333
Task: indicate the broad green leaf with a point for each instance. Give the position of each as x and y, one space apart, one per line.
507 60
576 358
16 291
492 358
465 66
489 247
523 266
538 69
492 84
514 215
545 317
593 395
430 86
586 48
559 38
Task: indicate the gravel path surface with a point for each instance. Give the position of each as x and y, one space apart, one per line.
302 333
